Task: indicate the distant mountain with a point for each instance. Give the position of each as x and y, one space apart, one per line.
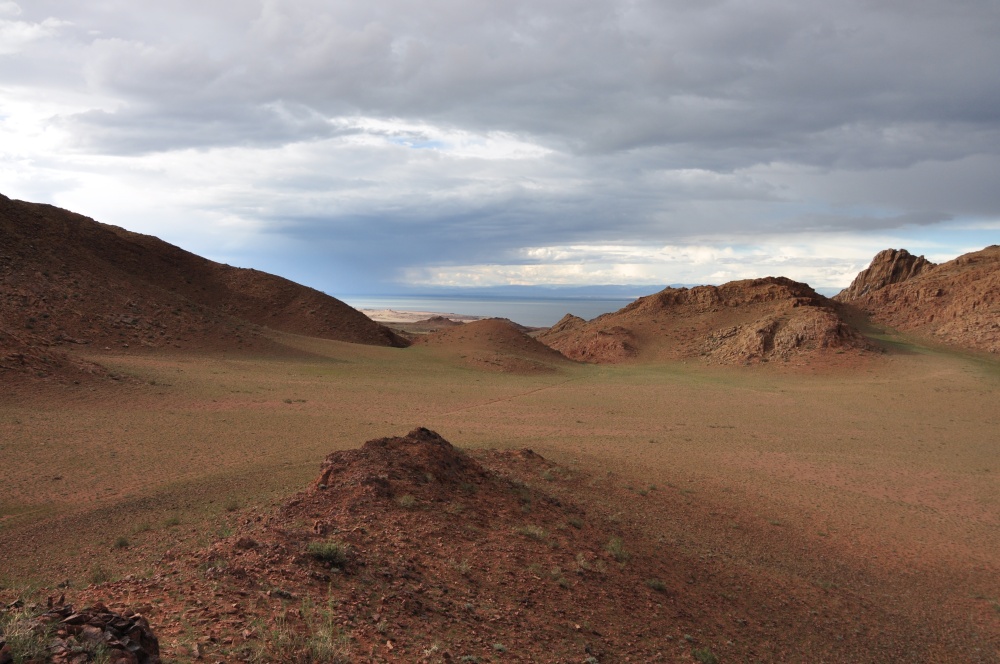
957 302
66 279
588 292
755 320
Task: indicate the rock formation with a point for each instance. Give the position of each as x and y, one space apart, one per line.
890 266
956 303
754 320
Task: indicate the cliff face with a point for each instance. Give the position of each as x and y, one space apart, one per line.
890 266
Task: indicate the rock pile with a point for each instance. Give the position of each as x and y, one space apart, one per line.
63 635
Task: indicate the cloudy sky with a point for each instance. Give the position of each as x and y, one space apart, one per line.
370 146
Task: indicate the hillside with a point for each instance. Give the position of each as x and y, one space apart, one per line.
68 280
957 303
757 320
493 344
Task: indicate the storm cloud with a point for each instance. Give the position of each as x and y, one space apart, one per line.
360 145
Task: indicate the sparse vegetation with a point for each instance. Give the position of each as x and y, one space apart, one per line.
616 547
657 584
462 566
121 542
98 574
321 641
704 656
533 532
27 639
334 552
407 501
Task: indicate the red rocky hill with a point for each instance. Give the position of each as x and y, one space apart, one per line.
755 320
66 279
957 302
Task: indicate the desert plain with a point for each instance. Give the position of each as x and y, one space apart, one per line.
878 481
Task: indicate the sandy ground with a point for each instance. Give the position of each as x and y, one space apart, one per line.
885 478
395 316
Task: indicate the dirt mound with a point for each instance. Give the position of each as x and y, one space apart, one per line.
739 322
890 266
66 279
411 550
957 302
494 344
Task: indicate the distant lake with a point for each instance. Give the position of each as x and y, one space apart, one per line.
541 312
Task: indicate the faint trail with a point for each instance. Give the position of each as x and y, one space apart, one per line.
510 398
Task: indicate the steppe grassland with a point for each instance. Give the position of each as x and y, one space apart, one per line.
898 458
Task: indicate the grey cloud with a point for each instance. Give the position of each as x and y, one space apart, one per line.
585 76
664 119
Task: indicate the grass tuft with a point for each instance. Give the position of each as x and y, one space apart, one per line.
329 551
704 656
533 532
616 547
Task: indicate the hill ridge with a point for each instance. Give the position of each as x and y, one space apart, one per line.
66 276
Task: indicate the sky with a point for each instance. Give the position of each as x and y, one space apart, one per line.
388 146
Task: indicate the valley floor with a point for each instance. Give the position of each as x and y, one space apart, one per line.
883 480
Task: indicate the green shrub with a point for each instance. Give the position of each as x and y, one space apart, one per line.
705 656
329 551
657 585
616 548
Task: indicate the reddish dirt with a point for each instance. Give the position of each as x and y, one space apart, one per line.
67 280
502 556
957 303
494 344
740 322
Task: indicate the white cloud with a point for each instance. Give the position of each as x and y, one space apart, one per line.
16 35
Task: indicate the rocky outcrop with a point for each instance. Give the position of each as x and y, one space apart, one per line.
890 266
754 320
956 303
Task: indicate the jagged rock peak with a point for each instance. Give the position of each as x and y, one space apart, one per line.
890 266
